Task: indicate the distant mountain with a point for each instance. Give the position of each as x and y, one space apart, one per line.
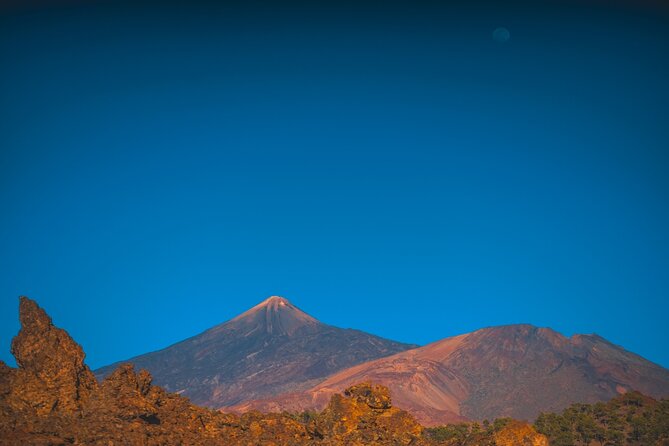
53 398
510 371
270 349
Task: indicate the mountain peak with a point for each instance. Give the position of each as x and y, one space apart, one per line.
275 301
275 315
269 349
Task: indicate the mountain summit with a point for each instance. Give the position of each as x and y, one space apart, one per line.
269 349
274 315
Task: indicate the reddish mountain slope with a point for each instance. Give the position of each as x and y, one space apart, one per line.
270 349
516 371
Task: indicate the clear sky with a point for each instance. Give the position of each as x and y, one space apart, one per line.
394 167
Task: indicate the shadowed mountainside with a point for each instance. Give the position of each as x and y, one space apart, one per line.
510 371
270 349
53 398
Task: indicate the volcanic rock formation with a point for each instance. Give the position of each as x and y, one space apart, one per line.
270 349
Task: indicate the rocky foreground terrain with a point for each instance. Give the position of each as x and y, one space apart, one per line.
53 398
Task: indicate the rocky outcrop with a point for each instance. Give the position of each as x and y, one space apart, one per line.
518 433
52 376
365 416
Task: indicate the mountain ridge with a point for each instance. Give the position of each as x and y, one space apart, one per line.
273 347
275 357
513 370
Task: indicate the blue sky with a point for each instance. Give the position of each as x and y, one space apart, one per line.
391 168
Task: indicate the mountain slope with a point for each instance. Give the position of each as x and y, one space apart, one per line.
272 348
516 371
52 398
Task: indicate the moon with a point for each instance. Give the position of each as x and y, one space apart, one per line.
501 35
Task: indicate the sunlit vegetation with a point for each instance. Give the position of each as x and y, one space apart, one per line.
628 420
631 419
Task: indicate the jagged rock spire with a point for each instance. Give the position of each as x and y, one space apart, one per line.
49 354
